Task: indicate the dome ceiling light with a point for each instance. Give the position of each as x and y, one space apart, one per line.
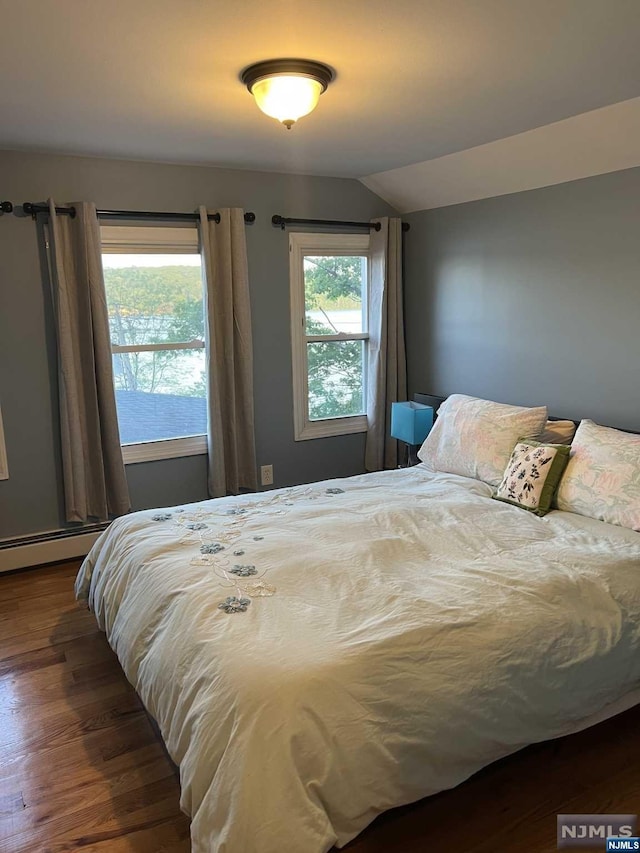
287 89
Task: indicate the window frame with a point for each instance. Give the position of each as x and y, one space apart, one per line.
155 240
303 243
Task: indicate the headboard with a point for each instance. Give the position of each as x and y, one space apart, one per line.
435 401
429 400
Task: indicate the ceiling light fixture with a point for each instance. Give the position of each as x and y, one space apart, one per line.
287 89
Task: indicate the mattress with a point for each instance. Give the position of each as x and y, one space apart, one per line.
318 655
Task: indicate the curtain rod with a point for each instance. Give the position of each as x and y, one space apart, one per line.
282 221
6 207
34 209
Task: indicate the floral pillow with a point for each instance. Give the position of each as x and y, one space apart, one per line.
532 475
602 479
474 438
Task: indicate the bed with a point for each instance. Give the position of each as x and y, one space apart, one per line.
402 630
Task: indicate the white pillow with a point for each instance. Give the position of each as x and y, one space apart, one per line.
474 438
558 432
602 479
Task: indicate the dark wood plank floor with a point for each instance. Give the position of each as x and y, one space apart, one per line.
81 768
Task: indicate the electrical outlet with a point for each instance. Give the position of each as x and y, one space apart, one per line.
266 475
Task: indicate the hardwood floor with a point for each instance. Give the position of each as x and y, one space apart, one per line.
82 769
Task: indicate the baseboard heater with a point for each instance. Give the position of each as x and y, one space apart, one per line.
22 552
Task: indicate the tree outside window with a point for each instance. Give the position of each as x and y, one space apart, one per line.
329 328
156 319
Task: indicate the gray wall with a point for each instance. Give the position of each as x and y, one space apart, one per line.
31 500
531 298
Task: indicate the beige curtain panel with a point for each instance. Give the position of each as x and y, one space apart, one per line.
95 485
231 433
387 379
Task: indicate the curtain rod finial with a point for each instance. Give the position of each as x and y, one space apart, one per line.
6 207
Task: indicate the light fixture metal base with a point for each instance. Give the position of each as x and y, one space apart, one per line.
306 67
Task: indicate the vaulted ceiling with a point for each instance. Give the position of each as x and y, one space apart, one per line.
416 79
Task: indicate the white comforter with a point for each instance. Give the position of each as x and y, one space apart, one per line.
419 631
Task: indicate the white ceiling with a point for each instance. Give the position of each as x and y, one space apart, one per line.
593 143
416 79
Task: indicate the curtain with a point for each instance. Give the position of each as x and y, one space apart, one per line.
231 435
387 370
94 479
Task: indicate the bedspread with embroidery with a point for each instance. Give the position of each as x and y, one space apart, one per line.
316 655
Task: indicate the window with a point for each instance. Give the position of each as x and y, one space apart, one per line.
329 332
153 282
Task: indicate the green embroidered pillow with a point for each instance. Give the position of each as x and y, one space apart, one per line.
532 475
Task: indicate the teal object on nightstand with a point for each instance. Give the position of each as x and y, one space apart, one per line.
411 422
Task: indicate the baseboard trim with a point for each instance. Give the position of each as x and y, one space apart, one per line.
50 547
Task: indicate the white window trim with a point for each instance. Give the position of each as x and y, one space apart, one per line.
128 239
166 448
196 344
301 244
140 239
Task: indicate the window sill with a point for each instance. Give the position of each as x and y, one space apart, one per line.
331 427
168 448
